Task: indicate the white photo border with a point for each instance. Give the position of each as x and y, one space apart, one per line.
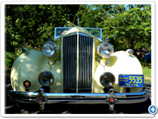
154 43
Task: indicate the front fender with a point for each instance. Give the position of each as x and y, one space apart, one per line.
119 63
28 67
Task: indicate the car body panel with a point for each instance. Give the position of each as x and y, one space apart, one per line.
119 63
28 67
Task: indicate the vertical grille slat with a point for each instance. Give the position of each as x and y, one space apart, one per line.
87 81
91 53
85 59
69 61
87 62
80 69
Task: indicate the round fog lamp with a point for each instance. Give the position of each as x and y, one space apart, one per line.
107 79
46 78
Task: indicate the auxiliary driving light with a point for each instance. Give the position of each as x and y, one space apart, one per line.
107 79
46 78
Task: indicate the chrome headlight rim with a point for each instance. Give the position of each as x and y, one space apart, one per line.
105 50
46 77
107 77
50 45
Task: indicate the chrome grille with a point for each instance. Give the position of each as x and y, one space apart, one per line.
70 61
85 62
85 58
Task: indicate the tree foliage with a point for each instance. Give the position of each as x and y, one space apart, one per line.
30 25
94 15
129 28
126 26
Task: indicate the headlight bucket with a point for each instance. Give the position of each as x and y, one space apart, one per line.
46 78
105 50
107 79
49 49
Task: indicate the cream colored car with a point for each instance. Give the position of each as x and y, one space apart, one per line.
77 67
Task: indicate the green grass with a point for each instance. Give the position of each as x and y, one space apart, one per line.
149 81
147 73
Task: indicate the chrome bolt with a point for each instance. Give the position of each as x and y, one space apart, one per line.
41 107
111 107
41 91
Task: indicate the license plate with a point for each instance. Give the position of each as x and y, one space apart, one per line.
131 80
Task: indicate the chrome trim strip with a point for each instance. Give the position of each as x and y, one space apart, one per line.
55 33
86 101
73 33
77 71
79 98
82 27
61 64
76 95
55 37
98 101
101 35
80 33
93 61
130 101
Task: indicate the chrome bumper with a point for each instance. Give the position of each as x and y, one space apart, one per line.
77 98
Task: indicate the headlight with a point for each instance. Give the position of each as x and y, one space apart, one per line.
49 49
46 78
105 50
107 79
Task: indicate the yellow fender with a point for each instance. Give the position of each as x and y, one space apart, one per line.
119 63
29 66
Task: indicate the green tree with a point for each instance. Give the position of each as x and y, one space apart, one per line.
130 27
125 25
94 15
30 25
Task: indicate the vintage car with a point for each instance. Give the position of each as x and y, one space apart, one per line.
77 67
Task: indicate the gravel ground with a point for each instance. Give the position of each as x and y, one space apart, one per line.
141 108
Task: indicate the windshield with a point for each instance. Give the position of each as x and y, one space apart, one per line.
94 31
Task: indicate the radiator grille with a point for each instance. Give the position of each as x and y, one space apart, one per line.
70 62
85 62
